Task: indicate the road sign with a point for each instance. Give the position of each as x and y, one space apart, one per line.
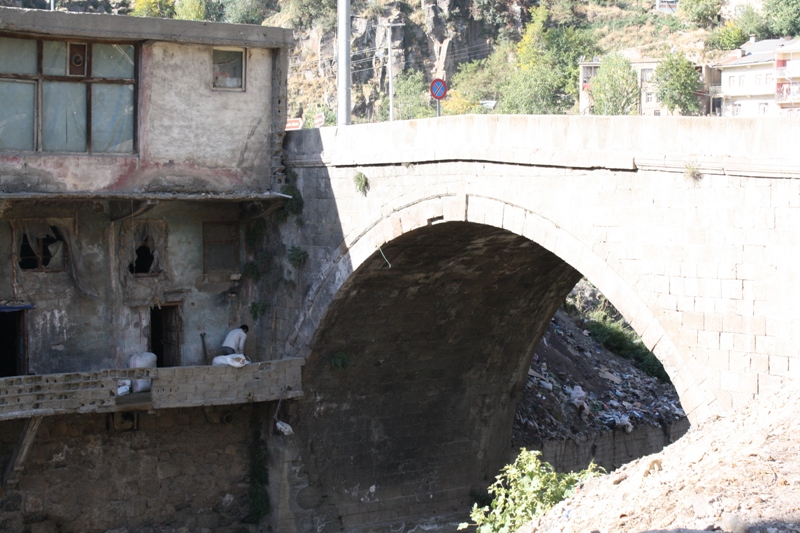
294 124
319 120
438 89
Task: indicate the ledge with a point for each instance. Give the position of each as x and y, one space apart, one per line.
96 392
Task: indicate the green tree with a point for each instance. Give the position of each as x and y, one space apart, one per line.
246 11
727 37
548 58
783 17
615 88
678 84
154 8
751 22
537 90
411 98
701 12
524 489
479 80
190 10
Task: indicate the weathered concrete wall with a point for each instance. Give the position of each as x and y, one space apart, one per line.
92 473
191 138
70 332
192 129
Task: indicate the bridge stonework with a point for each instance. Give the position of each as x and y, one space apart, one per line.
688 226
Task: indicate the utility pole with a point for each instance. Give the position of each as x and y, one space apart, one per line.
389 66
343 75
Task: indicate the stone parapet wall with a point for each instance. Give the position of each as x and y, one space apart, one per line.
96 392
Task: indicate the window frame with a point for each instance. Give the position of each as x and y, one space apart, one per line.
40 249
243 51
208 241
39 78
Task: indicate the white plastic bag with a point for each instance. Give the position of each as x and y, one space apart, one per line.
236 359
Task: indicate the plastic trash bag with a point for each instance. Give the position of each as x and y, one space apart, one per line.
236 360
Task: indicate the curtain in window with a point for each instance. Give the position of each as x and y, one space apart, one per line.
148 289
40 228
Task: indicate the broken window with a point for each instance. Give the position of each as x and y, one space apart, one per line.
220 247
143 260
229 68
67 96
50 245
43 251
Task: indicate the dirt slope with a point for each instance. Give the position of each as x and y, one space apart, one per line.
739 473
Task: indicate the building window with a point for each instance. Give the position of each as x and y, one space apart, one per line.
759 80
647 74
61 96
736 110
731 81
763 109
649 98
656 113
768 79
220 247
229 69
741 81
43 253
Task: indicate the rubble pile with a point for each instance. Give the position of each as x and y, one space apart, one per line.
576 387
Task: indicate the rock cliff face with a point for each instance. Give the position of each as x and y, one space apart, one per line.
435 37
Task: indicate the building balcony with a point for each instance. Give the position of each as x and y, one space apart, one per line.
171 387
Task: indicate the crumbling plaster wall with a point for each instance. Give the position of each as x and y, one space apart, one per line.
68 331
191 138
187 123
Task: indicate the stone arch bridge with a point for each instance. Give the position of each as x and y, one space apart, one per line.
433 286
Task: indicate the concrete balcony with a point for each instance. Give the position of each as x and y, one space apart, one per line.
96 392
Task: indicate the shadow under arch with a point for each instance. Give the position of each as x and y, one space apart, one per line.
416 358
426 207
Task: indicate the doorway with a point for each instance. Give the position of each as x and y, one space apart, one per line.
165 335
13 355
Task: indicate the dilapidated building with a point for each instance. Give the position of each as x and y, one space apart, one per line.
133 154
131 151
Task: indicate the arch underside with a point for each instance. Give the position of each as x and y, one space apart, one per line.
416 369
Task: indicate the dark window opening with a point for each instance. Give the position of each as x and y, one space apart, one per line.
165 338
220 247
49 254
144 260
13 359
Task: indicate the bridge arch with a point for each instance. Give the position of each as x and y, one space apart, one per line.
430 206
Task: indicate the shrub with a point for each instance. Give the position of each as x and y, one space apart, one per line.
623 341
727 37
297 256
154 8
524 489
701 12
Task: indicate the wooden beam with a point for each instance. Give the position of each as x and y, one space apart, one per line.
24 444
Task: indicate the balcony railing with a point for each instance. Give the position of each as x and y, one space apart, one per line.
96 392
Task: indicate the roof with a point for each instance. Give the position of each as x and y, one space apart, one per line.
758 52
122 28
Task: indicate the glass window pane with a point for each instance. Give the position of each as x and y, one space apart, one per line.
54 58
63 116
18 56
112 61
228 69
112 118
16 115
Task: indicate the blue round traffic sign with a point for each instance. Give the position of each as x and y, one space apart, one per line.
438 89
